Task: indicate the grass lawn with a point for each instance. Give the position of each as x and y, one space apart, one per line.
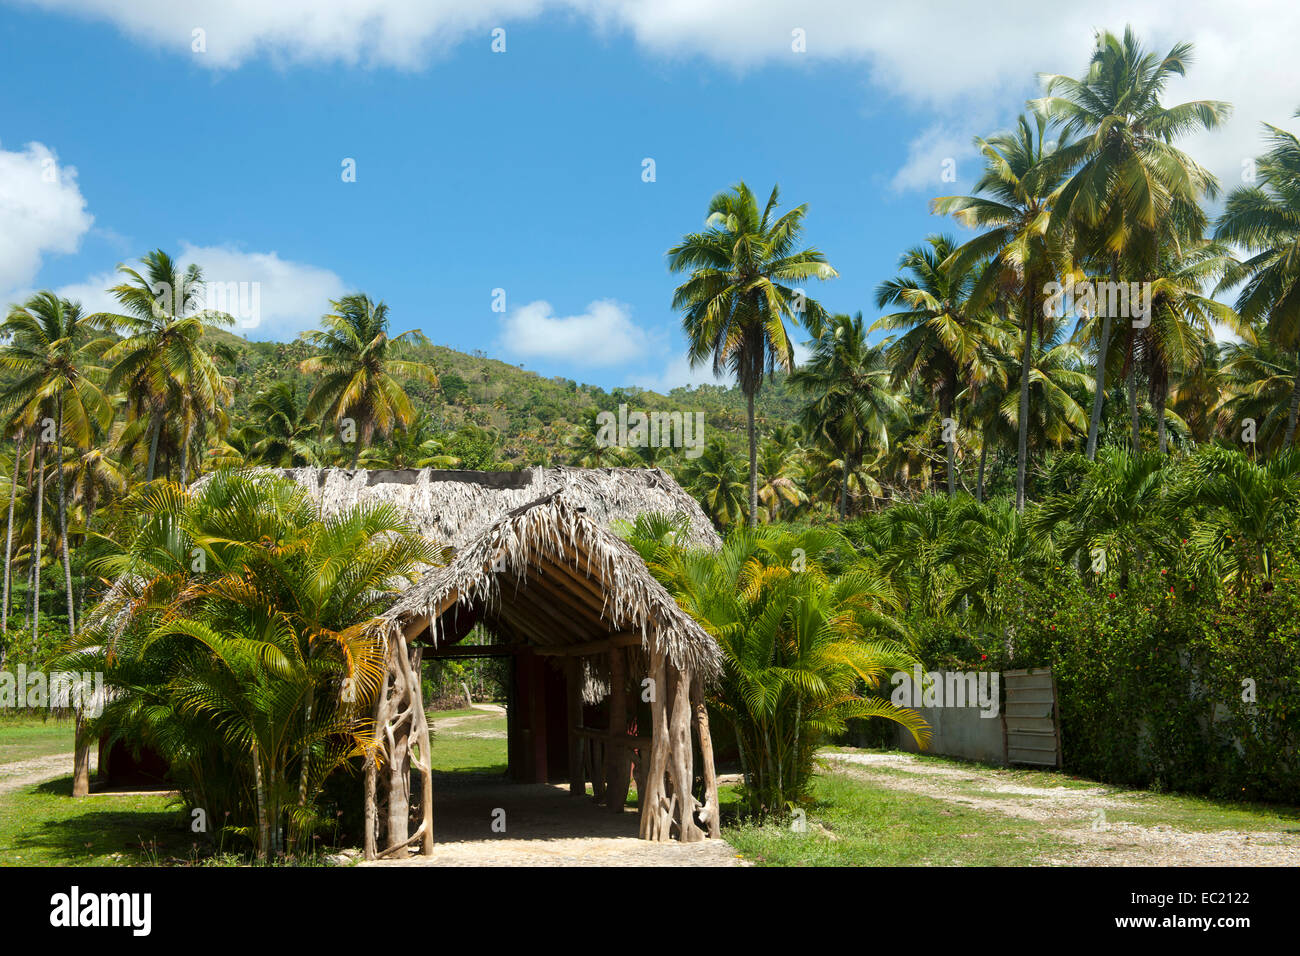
23 738
851 823
456 752
43 826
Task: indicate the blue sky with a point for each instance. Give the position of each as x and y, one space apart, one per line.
519 170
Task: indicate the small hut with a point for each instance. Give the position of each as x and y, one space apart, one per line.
608 672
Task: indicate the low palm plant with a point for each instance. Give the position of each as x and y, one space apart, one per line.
234 642
801 645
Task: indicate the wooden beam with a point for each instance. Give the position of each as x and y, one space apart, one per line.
591 647
472 650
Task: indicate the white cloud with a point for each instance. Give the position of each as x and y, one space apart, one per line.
290 296
679 374
42 211
953 59
937 161
603 335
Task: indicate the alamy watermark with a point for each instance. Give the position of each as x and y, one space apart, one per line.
37 690
1118 300
651 430
980 689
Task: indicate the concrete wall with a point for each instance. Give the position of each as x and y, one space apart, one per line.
959 732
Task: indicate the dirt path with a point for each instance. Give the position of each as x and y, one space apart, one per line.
1078 814
25 773
442 725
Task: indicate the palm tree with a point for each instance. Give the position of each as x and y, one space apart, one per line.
798 644
359 369
283 432
745 267
161 362
1256 385
48 341
939 345
1129 185
236 668
1012 202
1265 218
1251 510
717 480
851 401
778 478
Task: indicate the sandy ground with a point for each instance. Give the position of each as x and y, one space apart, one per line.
544 825
1077 814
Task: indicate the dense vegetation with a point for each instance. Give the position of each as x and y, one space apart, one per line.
1013 464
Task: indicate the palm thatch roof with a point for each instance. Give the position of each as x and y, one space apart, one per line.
454 507
549 574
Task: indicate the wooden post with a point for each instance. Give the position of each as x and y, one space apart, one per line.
573 690
654 820
681 758
616 753
706 756
81 757
370 842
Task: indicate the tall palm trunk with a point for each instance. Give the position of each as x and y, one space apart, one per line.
63 516
1099 393
753 461
950 448
984 454
153 445
1130 385
844 487
1162 433
36 544
1026 360
9 535
1295 406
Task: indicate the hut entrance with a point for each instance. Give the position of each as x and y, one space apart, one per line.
607 687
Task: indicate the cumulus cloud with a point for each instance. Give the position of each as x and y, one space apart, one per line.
42 212
947 58
270 297
603 335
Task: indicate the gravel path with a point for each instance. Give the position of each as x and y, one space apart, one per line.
1075 813
25 773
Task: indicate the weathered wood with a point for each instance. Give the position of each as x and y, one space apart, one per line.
654 824
616 756
706 756
573 704
370 839
591 647
681 758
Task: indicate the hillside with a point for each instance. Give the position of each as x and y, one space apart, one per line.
532 415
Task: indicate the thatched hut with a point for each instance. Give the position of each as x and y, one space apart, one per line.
608 672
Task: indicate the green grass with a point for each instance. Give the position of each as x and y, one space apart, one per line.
25 738
43 826
453 752
852 823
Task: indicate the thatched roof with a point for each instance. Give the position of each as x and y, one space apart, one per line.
454 507
550 574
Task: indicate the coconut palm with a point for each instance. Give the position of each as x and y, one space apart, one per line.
49 344
850 399
1012 203
359 370
1265 218
716 478
167 374
282 432
940 331
1129 187
745 269
1254 392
